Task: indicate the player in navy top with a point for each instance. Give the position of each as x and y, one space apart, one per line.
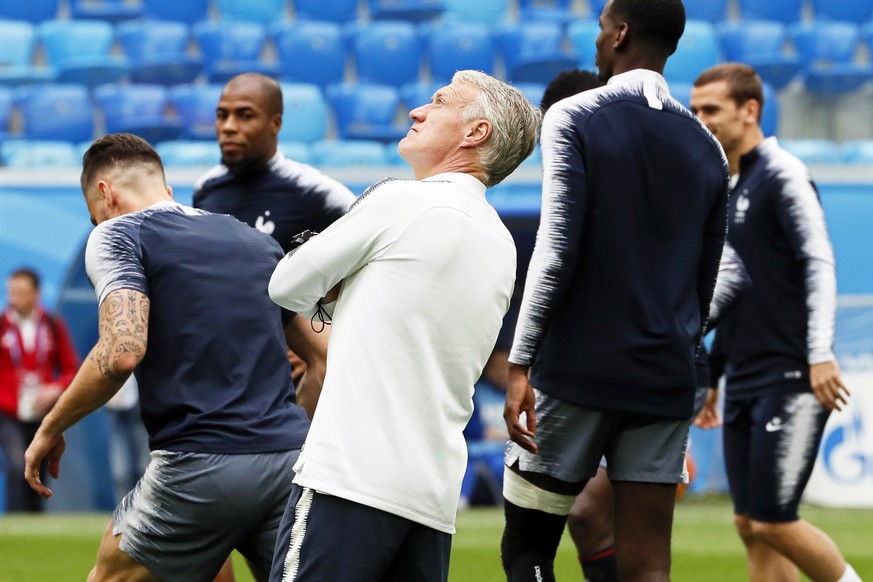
782 378
183 303
615 301
255 182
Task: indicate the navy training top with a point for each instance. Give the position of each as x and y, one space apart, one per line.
215 377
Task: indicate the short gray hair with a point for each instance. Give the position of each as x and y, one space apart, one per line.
515 122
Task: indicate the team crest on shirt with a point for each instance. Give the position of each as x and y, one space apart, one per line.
264 225
742 207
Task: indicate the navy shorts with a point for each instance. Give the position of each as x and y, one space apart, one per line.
323 537
770 446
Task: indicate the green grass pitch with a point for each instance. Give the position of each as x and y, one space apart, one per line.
60 547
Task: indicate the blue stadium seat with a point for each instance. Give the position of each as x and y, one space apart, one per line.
305 113
761 44
195 106
858 151
410 10
297 151
334 11
595 7
857 11
418 94
532 51
681 92
79 52
710 10
533 91
787 11
582 33
56 112
393 155
827 53
230 48
459 46
813 151
16 54
111 10
189 11
138 109
34 11
698 50
261 11
483 11
366 111
349 153
7 102
386 52
40 154
559 11
183 153
770 113
157 51
310 52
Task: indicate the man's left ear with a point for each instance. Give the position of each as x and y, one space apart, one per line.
478 134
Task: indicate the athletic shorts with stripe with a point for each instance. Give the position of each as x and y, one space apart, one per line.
190 510
572 439
770 446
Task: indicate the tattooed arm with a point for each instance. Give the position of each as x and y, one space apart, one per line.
124 315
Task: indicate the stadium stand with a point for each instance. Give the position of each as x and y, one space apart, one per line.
195 107
559 11
533 52
417 94
386 52
761 44
458 46
260 11
787 11
296 151
39 154
366 111
305 117
341 11
79 51
310 51
138 109
827 52
232 47
857 11
16 54
410 10
709 10
185 153
813 151
581 34
35 11
56 112
187 11
349 153
698 49
111 10
157 51
858 151
484 11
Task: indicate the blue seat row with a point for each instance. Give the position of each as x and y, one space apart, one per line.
824 54
484 11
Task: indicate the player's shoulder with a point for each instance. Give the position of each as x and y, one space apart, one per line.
210 178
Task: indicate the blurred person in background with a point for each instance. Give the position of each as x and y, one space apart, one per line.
782 379
37 362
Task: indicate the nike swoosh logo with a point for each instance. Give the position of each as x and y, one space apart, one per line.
773 426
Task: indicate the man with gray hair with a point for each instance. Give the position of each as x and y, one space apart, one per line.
416 278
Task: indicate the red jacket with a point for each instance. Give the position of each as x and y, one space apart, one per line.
53 357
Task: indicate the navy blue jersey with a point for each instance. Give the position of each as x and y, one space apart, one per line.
632 229
281 199
215 377
784 322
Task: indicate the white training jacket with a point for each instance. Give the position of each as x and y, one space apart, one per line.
428 269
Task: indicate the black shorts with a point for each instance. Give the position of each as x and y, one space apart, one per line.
770 447
323 537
